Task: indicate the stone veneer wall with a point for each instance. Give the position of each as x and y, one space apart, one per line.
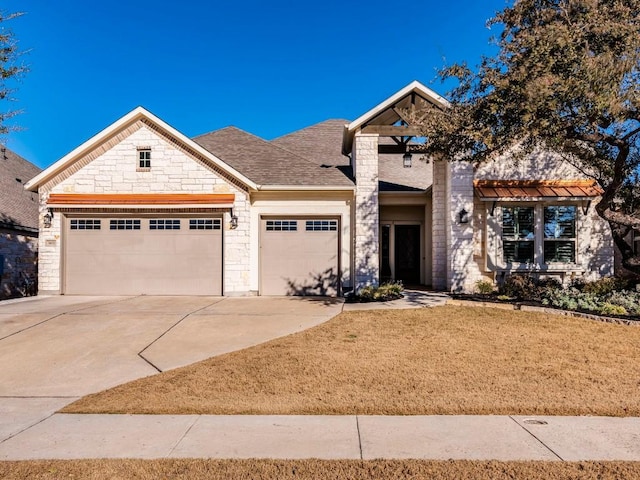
18 258
365 164
453 265
463 270
439 226
173 170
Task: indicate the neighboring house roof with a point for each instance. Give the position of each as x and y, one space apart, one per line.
18 207
266 163
138 114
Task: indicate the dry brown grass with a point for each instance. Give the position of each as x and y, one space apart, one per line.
314 469
447 360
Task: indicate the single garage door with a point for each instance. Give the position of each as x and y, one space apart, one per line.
299 256
137 255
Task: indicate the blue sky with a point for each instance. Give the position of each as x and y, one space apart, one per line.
266 67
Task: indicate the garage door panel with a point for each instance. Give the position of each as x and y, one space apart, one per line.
297 261
144 261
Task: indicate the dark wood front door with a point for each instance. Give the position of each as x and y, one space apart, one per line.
407 254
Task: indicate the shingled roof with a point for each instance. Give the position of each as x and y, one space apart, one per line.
266 163
320 143
18 207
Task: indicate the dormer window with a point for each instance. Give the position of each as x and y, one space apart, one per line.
144 158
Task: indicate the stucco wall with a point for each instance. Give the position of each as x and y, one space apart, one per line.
18 260
173 170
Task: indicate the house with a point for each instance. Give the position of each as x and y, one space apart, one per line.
18 225
141 208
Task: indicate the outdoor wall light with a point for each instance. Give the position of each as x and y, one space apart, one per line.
234 221
406 160
463 216
48 218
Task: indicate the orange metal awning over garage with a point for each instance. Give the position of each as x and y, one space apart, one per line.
534 189
140 200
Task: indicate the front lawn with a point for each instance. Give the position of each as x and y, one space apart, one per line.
445 360
196 469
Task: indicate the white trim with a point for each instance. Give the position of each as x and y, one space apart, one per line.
131 117
414 86
304 188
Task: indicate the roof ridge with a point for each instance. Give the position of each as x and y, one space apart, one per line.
271 145
310 126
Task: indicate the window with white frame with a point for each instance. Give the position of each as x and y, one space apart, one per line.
518 234
560 234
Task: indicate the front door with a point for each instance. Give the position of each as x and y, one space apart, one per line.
407 254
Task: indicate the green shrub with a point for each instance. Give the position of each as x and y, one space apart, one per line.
484 287
382 293
610 309
605 286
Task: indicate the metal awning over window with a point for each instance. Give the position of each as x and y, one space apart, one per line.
504 190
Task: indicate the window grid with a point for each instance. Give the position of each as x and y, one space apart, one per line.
205 224
282 225
518 237
81 224
144 158
124 224
560 234
164 224
321 225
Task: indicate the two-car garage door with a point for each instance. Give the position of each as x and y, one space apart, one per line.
138 255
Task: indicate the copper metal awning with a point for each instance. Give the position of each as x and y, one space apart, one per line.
140 200
535 189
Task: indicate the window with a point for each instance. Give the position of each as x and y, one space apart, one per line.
560 234
321 225
205 224
78 224
144 158
282 225
164 224
124 224
518 237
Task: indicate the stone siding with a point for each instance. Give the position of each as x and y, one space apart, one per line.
18 261
172 171
367 227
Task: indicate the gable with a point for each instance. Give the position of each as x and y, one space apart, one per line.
122 130
113 168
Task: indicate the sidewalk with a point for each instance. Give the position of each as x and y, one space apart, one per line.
328 437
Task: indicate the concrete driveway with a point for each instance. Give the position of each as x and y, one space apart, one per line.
56 349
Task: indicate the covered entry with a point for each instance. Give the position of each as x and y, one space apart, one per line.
133 254
299 256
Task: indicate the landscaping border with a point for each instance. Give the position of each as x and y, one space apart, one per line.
533 308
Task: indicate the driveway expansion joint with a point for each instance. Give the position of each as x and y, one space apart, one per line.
534 436
141 352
